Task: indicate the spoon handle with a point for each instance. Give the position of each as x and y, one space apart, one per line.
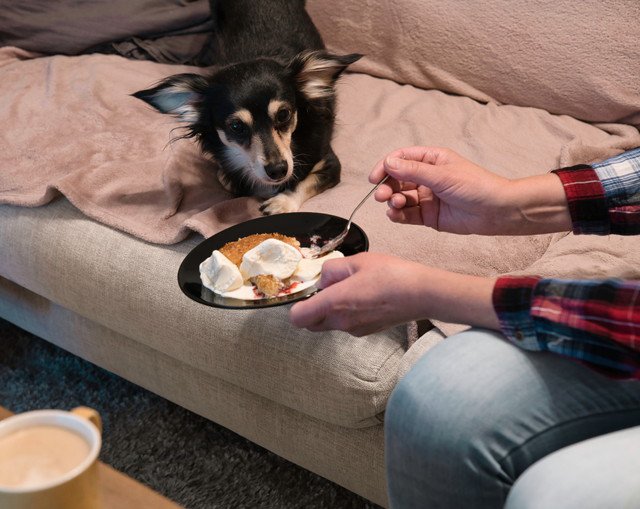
333 243
365 199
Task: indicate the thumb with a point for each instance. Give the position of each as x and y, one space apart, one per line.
334 271
408 170
314 311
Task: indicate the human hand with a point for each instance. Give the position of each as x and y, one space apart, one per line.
361 294
370 292
438 188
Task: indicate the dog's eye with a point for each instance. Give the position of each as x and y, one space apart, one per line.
283 116
238 127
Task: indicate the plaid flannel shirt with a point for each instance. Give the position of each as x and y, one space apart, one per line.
604 198
596 322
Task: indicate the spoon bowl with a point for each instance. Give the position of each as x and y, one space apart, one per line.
333 243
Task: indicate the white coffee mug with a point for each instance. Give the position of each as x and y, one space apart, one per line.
75 486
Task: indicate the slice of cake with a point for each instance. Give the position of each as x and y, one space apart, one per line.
264 259
259 266
268 285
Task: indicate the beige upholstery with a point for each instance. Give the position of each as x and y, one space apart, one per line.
131 287
350 457
574 58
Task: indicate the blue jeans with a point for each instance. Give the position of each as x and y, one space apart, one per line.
475 412
604 472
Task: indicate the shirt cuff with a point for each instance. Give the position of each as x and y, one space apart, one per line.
620 177
512 297
586 200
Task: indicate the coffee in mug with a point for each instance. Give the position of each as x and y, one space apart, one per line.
39 454
48 459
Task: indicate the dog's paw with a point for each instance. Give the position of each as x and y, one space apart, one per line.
279 204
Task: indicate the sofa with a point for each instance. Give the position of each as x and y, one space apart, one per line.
98 210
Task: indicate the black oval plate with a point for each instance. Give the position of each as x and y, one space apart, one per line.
301 225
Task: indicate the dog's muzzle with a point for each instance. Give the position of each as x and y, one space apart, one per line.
276 171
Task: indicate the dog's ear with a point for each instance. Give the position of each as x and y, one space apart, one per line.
178 95
316 72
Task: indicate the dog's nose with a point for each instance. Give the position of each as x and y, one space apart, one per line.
276 171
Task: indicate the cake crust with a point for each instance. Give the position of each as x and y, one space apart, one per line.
235 250
268 285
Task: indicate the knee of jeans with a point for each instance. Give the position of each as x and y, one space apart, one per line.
438 401
421 409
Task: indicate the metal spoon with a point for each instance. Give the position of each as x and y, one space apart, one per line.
332 244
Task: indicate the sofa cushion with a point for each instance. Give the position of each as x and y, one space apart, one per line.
575 58
131 287
70 27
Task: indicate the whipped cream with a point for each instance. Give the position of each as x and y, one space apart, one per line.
271 257
219 274
309 268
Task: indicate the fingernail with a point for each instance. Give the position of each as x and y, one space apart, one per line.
393 162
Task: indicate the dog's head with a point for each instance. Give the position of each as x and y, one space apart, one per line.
245 114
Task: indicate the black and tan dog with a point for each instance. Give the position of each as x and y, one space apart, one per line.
266 113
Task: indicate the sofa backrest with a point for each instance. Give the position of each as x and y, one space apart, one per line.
575 57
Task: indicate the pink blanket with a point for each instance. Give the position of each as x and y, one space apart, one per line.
71 127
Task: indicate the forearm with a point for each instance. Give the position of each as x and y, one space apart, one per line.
536 205
369 292
596 322
600 199
455 298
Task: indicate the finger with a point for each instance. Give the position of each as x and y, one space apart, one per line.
377 173
383 193
409 198
406 215
315 313
432 176
308 313
428 155
397 201
334 271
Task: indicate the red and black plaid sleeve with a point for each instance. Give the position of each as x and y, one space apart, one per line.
604 198
585 196
594 322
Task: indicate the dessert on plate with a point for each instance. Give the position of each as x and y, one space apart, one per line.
260 266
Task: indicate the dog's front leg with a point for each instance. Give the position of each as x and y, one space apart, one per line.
324 175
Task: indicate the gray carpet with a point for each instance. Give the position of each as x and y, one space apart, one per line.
187 458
